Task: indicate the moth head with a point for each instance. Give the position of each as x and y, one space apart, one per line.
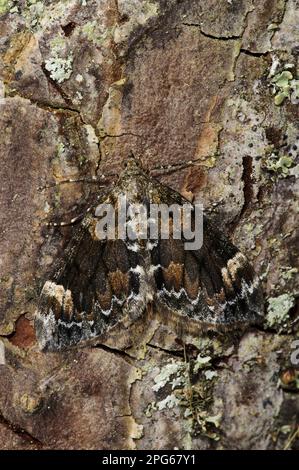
132 164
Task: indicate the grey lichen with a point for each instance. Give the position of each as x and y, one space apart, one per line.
170 369
35 10
192 397
170 401
201 363
278 310
288 272
210 374
60 67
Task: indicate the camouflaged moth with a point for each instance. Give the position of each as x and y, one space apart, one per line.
100 282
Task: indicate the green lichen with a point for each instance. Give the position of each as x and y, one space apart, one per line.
272 27
292 438
284 86
214 346
89 29
278 310
216 420
279 164
82 159
57 199
249 227
7 329
32 12
280 97
57 43
287 272
286 429
5 5
60 149
282 79
93 34
29 403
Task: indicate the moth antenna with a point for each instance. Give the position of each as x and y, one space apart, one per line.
164 169
93 180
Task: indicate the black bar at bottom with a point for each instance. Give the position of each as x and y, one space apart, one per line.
136 459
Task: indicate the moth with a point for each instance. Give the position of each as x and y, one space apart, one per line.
103 282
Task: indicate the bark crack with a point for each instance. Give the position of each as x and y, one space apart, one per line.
19 431
117 352
58 88
167 351
284 11
49 106
282 18
247 183
253 54
121 135
212 36
243 49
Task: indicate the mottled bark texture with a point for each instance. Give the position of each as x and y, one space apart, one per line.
83 83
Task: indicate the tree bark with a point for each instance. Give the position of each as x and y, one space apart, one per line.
85 82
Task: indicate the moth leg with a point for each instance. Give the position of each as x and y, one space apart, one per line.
79 217
73 221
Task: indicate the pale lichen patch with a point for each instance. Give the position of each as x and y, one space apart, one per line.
60 63
278 310
284 86
5 5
